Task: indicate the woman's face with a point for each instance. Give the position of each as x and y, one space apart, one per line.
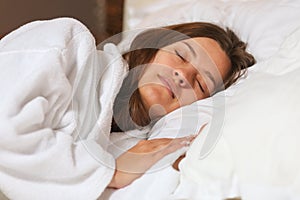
182 73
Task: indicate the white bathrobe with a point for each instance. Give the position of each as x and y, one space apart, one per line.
56 101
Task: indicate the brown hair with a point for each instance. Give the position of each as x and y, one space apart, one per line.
129 110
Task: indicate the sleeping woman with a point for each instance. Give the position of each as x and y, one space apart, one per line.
46 79
172 67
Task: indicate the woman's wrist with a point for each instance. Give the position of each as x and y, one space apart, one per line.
122 179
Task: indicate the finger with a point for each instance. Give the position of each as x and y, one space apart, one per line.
176 144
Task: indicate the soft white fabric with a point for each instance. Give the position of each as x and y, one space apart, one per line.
136 10
54 109
257 154
154 185
263 24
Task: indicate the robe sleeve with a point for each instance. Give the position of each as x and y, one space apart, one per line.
42 154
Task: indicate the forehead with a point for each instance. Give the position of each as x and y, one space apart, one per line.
213 49
205 45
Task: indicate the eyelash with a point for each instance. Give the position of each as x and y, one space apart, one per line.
200 86
180 56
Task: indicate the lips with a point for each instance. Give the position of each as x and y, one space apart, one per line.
168 84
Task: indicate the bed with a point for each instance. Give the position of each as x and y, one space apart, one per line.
249 150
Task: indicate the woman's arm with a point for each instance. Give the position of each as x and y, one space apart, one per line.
137 160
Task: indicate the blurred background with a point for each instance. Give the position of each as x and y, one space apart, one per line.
95 14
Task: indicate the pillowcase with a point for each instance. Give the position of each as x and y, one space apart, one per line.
263 24
136 10
258 146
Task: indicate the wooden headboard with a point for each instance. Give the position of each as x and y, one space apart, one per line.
103 17
114 16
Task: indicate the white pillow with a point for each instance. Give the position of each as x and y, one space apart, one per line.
263 24
136 10
259 145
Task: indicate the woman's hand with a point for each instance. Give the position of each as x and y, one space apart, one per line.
176 163
137 160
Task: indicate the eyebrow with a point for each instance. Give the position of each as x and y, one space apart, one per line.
191 48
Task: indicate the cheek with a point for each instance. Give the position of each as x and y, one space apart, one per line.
189 96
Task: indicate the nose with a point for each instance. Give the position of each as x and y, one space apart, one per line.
184 76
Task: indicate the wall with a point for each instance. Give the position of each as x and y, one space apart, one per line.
14 13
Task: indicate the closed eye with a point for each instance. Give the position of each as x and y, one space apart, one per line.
180 56
200 86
